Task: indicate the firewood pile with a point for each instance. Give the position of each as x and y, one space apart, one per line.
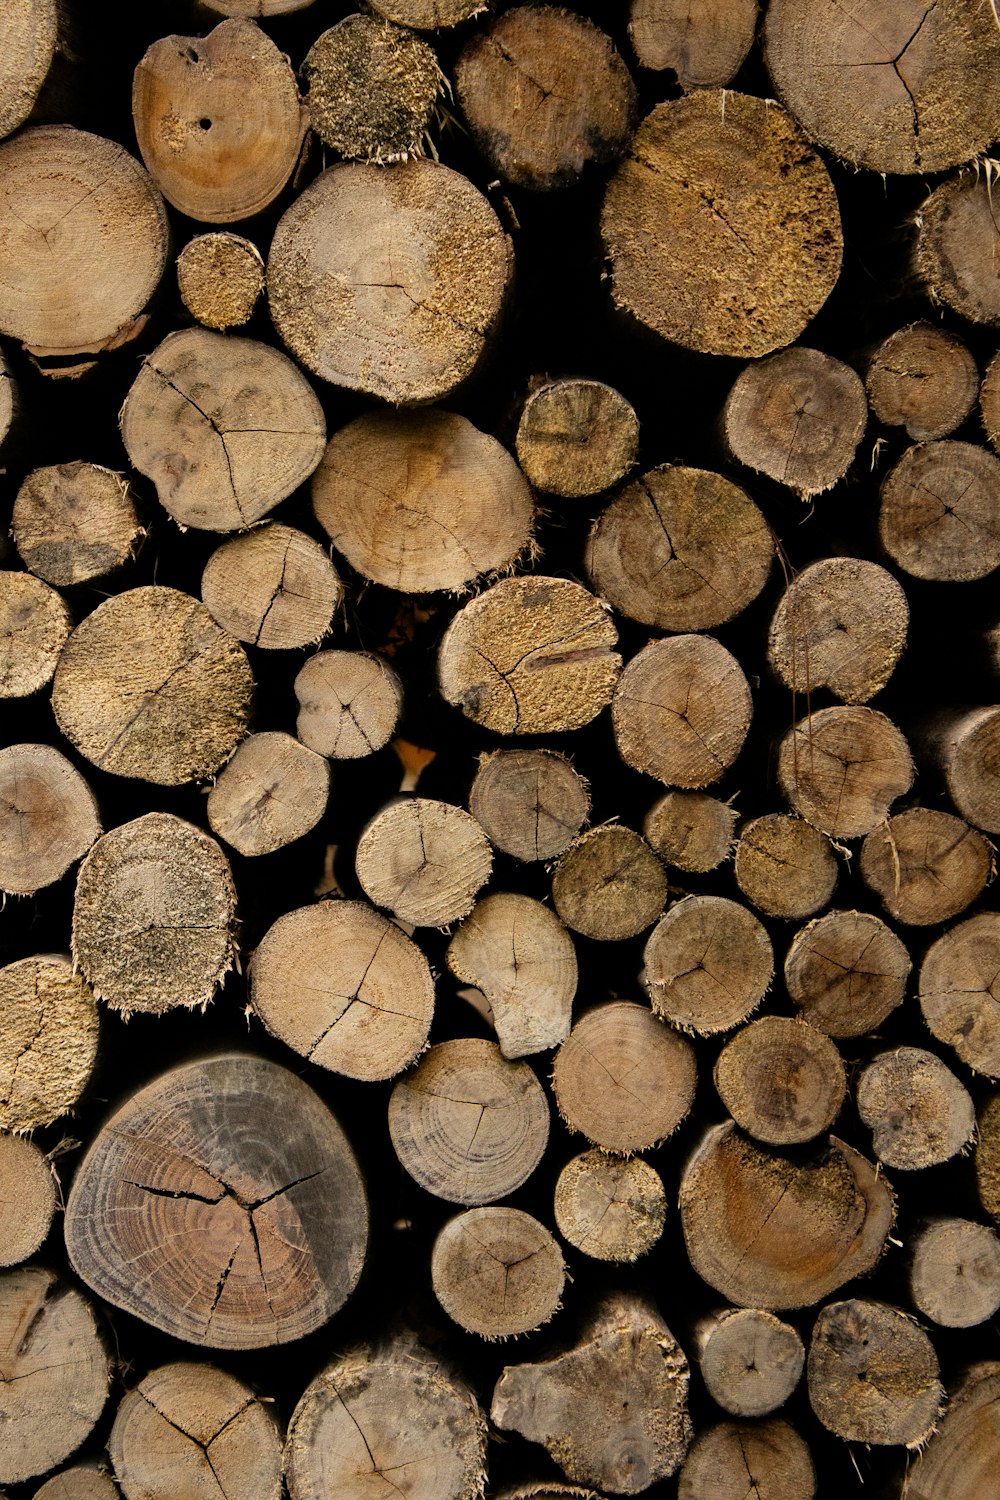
500 755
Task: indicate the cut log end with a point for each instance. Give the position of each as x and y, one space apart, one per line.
784 866
846 971
35 624
691 830
750 1361
373 89
27 1199
349 704
611 1209
497 1272
709 963
917 1110
782 1081
873 1374
271 793
924 379
940 511
955 1273
956 991
423 860
705 43
48 818
842 768
926 865
531 803
275 588
73 523
48 1040
576 437
772 1454
221 278
609 885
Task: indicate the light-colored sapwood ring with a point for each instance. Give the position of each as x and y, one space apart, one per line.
924 379
379 1416
609 885
497 1272
531 655
221 278
842 769
611 1208
48 1040
467 1125
372 90
917 1110
755 244
705 42
709 963
225 427
344 987
423 860
35 623
873 1374
926 865
782 1081
532 803
149 686
274 1222
27 1199
271 793
750 1361
692 831
422 500
75 522
772 1454
154 916
83 244
48 818
955 1273
846 971
841 624
576 437
680 549
959 991
519 954
349 703
940 511
956 247
30 38
210 156
773 1231
389 282
274 587
784 867
623 1079
193 1429
681 711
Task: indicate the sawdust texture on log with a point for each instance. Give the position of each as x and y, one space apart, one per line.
423 860
576 437
35 623
680 549
531 803
940 511
623 1079
497 1272
344 987
273 1224
274 587
48 1040
959 989
926 865
349 703
782 1081
966 745
48 818
224 426
56 1372
846 971
422 500
27 1198
709 963
843 768
211 157
755 242
30 38
784 866
987 1152
922 378
896 88
797 417
221 278
83 243
774 1231
681 711
609 885
917 1110
75 522
271 793
691 830
154 916
519 954
467 1125
373 89
956 246
436 265
81 1482
384 1411
750 1360
149 686
612 1410
611 1208
192 1429
955 1273
960 1460
771 1456
705 42
531 655
544 94
841 624
873 1374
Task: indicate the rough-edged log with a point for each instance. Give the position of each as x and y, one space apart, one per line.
30 40
609 885
966 747
705 42
873 1374
532 803
940 511
255 9
987 1151
345 988
274 1223
750 1360
989 403
922 378
784 866
769 1456
423 860
773 1231
274 587
917 1110
611 1208
48 1040
497 1272
372 89
389 282
842 768
691 830
755 243
349 703
48 818
960 1460
35 623
81 1482
955 1273
782 1081
75 522
221 278
27 1199
576 437
926 865
709 963
612 1410
958 991
427 15
271 793
956 250
846 972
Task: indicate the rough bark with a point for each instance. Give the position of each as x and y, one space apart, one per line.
609 885
709 963
846 971
424 860
275 588
926 865
221 278
750 1361
271 793
35 624
955 1273
27 1199
576 437
531 803
73 523
349 703
842 768
782 1081
917 1110
691 830
373 90
784 866
497 1272
612 1209
705 42
48 1040
959 983
873 1374
960 1461
48 818
922 378
940 511
956 244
